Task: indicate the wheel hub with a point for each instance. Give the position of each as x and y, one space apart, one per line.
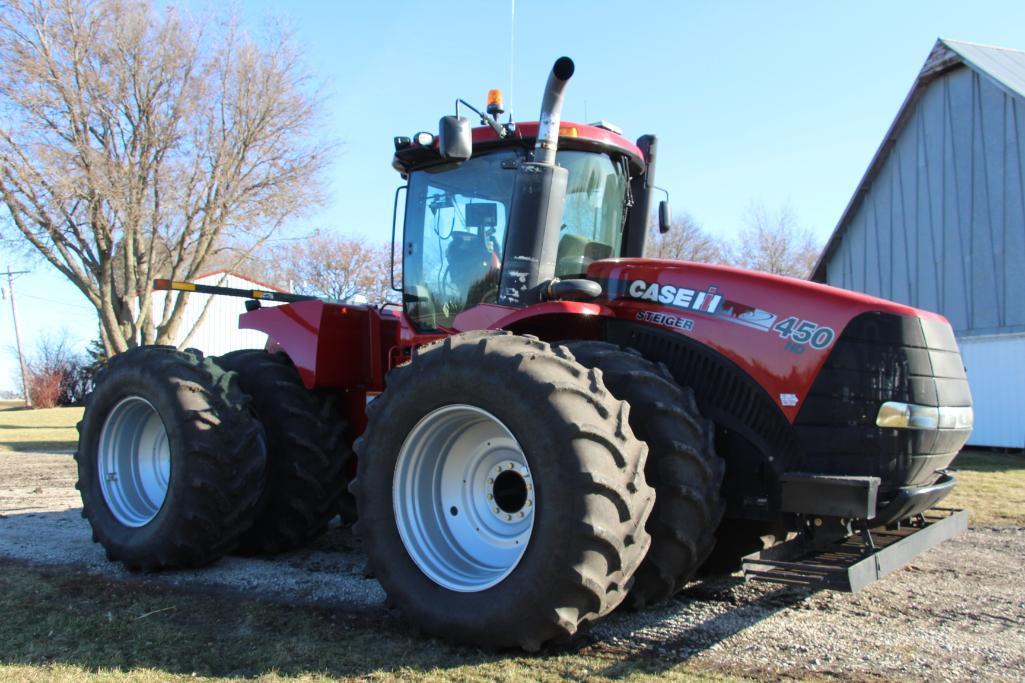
134 462
511 491
463 498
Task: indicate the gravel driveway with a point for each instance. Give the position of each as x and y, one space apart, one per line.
957 613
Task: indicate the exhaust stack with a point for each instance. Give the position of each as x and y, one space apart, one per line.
551 112
539 197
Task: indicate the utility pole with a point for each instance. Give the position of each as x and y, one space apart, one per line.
17 336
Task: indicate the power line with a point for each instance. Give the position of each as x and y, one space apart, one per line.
17 336
60 303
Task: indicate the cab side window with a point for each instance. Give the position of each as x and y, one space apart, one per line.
455 229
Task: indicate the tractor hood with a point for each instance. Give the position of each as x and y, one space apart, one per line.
780 329
748 283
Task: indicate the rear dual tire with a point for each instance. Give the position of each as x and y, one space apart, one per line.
308 453
170 459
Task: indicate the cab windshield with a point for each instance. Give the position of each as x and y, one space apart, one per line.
455 228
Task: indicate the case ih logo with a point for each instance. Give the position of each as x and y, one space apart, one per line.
678 297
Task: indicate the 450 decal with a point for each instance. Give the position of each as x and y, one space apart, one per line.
805 332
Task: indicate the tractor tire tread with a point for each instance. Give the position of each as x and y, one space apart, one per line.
682 466
598 435
308 456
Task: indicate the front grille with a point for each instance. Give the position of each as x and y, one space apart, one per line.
883 357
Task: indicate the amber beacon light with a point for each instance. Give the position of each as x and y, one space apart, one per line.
495 102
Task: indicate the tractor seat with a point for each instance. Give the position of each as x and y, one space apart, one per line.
468 258
576 253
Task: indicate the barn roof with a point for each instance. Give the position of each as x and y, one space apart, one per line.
1004 66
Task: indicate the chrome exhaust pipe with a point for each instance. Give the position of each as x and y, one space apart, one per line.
539 197
551 112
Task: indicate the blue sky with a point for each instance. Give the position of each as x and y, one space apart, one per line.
777 102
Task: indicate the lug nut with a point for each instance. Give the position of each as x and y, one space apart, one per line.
490 497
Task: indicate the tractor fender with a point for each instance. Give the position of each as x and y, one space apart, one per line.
753 435
332 345
551 320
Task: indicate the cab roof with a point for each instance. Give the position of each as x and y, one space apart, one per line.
579 136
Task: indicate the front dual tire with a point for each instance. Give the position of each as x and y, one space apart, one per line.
518 501
463 498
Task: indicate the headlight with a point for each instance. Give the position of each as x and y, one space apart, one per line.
897 415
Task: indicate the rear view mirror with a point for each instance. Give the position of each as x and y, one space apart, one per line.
665 217
455 140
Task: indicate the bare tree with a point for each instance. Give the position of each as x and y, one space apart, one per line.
135 143
773 242
685 241
331 266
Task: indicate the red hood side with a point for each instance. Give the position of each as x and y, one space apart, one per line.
759 280
750 318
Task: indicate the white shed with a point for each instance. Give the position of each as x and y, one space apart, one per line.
996 364
218 333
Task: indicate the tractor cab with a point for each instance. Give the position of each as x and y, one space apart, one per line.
457 218
462 244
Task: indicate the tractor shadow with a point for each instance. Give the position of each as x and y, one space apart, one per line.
700 618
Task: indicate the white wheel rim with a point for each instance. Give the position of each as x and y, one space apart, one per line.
463 498
134 462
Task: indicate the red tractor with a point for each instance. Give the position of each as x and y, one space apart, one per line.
550 424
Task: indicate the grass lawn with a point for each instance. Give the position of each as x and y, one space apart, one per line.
52 429
991 485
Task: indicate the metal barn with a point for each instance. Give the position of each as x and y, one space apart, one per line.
938 221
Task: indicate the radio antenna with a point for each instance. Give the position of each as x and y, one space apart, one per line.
512 52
